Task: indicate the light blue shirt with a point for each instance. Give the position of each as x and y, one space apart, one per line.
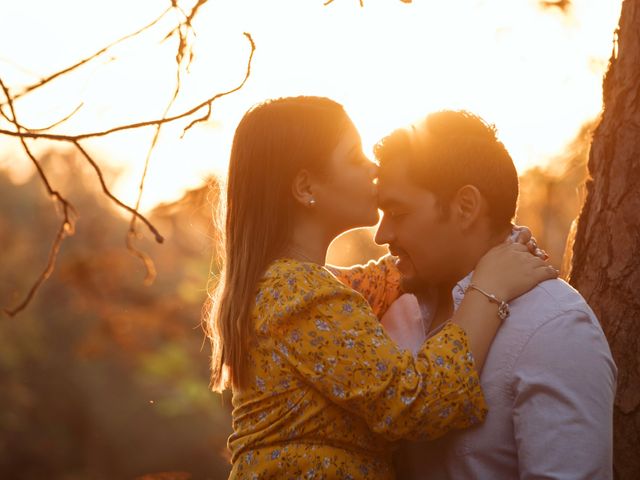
549 381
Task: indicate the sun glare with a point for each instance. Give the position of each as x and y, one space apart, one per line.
536 73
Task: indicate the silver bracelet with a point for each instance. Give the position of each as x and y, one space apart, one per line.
503 307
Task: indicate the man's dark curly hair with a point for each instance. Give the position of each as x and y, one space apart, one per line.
449 149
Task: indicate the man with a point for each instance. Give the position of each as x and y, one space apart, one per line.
448 190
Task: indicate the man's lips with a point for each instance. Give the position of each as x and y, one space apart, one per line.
397 252
401 257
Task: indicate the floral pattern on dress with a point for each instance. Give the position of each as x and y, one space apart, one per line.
330 392
378 282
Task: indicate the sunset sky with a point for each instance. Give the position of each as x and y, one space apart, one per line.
536 73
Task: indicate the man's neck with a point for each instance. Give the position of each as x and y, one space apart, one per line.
443 306
442 294
477 246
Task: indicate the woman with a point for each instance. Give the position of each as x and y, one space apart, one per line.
319 390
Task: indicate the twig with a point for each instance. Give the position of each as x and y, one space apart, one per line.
46 80
194 11
69 213
53 255
158 237
132 234
59 122
183 45
208 103
66 227
82 136
328 2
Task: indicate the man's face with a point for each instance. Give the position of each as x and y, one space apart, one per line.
424 239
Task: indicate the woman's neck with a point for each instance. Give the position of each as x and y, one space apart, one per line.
308 244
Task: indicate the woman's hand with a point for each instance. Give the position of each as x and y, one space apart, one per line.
524 236
509 270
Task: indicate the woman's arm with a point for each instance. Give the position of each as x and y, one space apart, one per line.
328 334
378 282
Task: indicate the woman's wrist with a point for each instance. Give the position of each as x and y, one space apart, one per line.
479 319
503 306
489 286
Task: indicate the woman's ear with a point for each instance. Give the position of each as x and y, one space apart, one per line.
302 188
467 206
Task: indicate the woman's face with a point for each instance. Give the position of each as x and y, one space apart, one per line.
346 197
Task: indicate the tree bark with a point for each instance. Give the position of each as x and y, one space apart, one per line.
605 266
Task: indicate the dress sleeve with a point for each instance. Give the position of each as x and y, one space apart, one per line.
332 339
378 282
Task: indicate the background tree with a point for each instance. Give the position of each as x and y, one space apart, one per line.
605 264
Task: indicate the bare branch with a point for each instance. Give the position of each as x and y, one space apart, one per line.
146 260
67 225
158 237
328 2
184 56
59 122
82 136
132 234
59 73
183 46
203 118
194 11
229 92
53 255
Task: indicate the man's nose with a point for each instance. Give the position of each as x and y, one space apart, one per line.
384 235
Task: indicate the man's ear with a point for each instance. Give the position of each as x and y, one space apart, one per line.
302 187
467 206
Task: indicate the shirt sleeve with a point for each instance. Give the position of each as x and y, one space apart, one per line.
378 282
336 344
563 410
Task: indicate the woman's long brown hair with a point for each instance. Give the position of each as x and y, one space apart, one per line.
273 142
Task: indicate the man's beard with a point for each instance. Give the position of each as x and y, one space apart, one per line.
416 285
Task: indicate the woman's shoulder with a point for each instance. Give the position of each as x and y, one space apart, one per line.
296 279
290 286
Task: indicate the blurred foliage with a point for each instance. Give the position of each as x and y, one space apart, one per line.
104 378
551 197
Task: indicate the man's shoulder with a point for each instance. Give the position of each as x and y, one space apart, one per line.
549 310
549 300
549 322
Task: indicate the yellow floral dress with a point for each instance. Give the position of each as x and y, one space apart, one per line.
329 392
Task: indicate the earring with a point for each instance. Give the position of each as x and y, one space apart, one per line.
312 202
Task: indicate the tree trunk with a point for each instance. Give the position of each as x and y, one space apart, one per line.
605 266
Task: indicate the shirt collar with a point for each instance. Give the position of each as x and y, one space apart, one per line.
459 290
